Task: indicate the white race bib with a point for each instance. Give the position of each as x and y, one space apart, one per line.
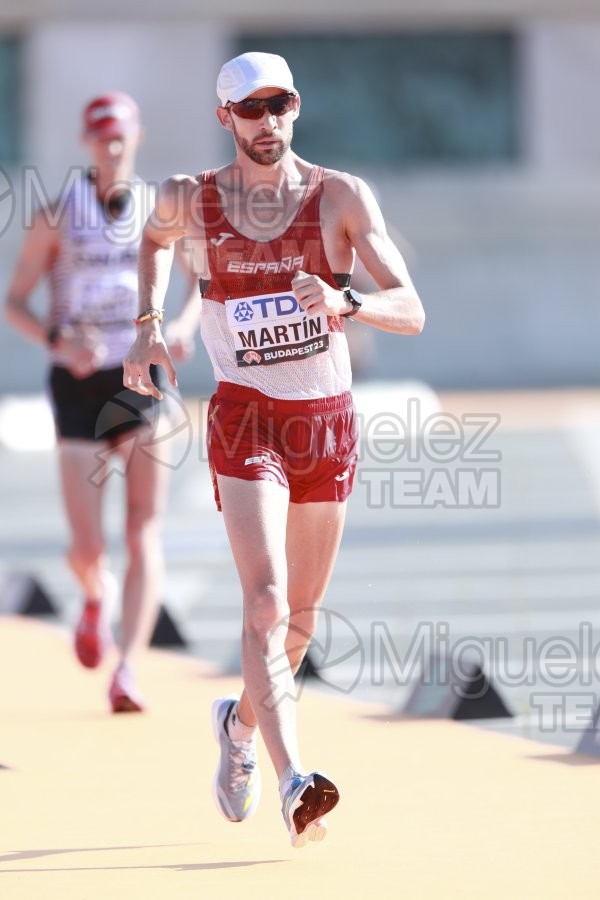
105 299
273 328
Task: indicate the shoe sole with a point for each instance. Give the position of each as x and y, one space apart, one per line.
316 800
125 704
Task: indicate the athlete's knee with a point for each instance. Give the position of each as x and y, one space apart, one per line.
85 552
141 531
264 611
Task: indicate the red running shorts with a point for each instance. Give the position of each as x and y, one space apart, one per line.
309 447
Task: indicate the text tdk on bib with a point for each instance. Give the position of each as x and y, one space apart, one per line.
272 328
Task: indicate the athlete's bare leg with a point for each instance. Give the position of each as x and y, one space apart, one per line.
83 505
313 539
146 480
314 532
257 517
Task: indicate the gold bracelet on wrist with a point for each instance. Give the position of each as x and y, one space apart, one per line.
149 314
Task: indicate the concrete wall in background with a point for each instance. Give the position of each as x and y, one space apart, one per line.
506 259
170 70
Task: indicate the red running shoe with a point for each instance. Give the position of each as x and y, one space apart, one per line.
123 694
92 637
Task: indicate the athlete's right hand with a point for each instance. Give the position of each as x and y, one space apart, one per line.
148 349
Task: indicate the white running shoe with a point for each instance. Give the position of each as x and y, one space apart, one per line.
236 787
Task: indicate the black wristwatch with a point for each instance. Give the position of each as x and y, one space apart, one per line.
355 299
53 335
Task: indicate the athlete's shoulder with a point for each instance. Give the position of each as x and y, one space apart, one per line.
344 181
175 184
173 194
177 204
184 187
343 187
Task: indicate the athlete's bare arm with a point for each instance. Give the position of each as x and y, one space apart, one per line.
168 223
79 348
396 307
35 260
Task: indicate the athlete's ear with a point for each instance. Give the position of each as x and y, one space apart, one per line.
224 117
297 108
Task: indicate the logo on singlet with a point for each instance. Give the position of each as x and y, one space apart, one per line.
243 312
244 267
223 235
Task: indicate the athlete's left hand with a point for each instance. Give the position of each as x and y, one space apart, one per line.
315 296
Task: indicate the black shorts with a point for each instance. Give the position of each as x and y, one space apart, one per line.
99 407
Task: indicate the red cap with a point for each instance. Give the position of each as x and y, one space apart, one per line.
111 115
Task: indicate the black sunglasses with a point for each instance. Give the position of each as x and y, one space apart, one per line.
278 105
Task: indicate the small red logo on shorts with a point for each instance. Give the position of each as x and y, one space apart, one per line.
251 357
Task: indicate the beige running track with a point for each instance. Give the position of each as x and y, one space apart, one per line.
94 807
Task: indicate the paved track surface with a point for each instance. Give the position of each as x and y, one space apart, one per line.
96 806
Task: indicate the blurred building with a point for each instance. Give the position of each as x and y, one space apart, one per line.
475 121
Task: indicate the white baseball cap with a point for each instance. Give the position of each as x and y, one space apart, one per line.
249 72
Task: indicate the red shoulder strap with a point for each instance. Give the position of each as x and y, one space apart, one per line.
212 211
